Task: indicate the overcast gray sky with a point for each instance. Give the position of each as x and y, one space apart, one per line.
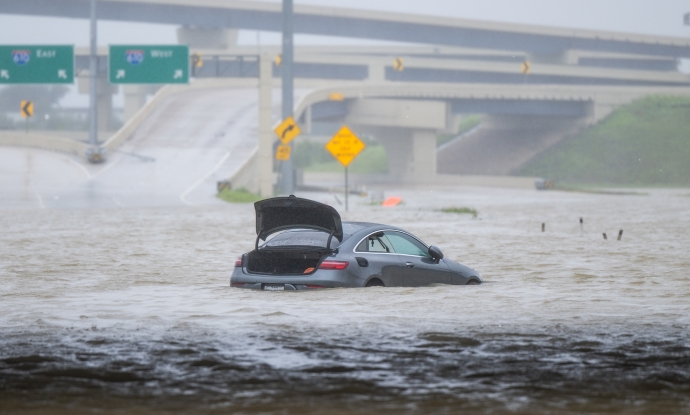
659 17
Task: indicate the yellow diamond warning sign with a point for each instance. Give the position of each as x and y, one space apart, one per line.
345 146
283 152
287 130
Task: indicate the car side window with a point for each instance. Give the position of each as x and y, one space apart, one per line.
377 242
407 245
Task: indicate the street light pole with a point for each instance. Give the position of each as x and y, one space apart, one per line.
93 69
288 176
94 153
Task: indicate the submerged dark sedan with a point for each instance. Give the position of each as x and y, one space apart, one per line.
307 246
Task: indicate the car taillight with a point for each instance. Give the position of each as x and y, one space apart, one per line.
237 284
238 262
312 286
328 264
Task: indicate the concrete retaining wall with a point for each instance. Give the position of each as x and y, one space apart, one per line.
42 141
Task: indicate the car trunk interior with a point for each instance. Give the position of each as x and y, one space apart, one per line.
283 261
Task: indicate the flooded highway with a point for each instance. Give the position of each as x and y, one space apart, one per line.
129 310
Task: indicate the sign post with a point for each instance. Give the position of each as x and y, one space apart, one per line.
27 110
286 132
148 64
345 146
36 64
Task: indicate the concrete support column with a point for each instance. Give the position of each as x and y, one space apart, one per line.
266 137
423 155
135 98
398 145
207 38
377 72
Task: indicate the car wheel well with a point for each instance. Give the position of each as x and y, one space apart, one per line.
375 282
473 281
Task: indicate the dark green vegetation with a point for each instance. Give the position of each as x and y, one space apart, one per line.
311 156
241 195
646 143
467 123
461 210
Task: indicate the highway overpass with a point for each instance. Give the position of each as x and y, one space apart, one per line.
548 43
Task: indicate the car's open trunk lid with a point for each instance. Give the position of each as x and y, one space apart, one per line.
284 213
280 213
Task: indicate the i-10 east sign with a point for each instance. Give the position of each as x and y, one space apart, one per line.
36 64
148 64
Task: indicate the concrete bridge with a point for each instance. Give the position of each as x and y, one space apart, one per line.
520 120
201 16
458 67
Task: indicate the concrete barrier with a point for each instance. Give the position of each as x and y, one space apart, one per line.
336 180
42 141
246 176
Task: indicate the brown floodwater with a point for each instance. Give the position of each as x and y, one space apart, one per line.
129 310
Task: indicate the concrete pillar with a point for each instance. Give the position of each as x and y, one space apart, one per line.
423 155
135 98
377 72
307 120
207 38
398 145
266 137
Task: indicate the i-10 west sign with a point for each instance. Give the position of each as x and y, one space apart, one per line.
36 64
149 64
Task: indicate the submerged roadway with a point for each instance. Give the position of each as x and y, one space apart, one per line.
196 138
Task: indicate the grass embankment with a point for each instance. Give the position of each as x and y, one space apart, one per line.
646 143
461 210
238 196
313 157
466 124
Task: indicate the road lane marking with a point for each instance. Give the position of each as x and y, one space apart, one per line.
198 182
83 169
40 199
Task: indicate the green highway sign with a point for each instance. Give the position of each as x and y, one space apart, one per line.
36 64
148 64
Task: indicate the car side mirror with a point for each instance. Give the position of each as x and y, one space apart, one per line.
435 253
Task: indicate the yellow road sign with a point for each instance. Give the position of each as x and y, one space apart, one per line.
279 59
27 109
398 64
283 152
345 146
525 67
287 130
197 60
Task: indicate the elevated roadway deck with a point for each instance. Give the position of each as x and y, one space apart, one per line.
367 24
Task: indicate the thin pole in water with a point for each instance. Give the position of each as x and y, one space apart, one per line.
346 189
582 231
543 227
620 234
605 235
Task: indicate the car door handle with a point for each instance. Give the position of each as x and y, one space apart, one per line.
409 264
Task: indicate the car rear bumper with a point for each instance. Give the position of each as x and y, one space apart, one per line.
318 279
